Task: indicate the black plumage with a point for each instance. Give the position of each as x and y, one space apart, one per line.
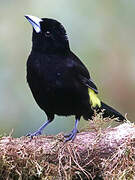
59 81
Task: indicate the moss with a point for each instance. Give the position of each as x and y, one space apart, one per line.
49 158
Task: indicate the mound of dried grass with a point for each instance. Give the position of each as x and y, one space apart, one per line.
101 154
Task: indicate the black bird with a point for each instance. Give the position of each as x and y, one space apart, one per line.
59 81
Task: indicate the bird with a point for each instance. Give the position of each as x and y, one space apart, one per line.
59 81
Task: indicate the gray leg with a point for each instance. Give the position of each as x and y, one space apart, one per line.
39 131
72 135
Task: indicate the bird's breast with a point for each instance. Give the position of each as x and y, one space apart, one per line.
50 77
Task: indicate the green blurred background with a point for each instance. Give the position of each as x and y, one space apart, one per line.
101 33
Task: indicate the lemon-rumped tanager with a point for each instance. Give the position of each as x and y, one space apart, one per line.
59 81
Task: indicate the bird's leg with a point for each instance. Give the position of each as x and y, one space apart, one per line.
39 131
73 133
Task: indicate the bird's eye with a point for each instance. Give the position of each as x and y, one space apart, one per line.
47 33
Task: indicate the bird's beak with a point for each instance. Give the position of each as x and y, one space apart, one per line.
35 22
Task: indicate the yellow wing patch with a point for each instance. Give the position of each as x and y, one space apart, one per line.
94 100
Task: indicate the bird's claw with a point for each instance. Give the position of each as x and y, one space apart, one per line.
31 135
71 136
67 135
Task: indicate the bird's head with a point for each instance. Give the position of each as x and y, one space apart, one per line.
48 35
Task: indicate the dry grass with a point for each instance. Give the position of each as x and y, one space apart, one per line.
49 158
121 165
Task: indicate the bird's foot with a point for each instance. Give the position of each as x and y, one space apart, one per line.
39 131
36 133
67 135
71 136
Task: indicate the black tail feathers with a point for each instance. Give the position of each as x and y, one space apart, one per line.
107 112
110 112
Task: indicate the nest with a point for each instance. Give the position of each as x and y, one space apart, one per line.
107 153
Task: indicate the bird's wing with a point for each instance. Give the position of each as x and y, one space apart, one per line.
84 77
82 73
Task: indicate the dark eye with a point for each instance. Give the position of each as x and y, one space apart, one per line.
47 33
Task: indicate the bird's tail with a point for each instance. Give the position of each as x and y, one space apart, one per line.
111 112
99 106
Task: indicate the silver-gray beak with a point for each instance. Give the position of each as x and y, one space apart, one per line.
35 22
